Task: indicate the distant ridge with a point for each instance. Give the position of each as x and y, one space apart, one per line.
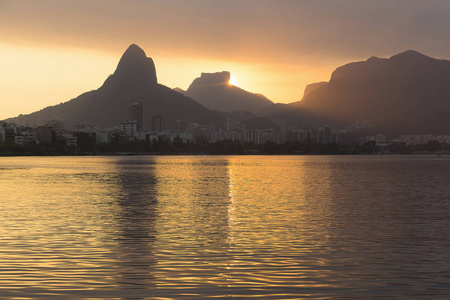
214 91
134 80
406 93
314 87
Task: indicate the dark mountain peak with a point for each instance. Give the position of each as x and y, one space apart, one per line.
408 92
135 50
373 59
135 66
133 81
409 54
134 54
214 91
358 70
211 79
413 58
405 63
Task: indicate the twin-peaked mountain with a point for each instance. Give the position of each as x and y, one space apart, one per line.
407 93
134 80
214 91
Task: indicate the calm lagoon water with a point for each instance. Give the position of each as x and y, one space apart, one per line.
278 227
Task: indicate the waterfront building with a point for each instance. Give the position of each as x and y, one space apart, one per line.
252 136
2 134
444 139
129 128
102 137
380 138
233 136
20 140
213 136
44 134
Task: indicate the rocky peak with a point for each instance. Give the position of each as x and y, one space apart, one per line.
133 55
313 87
135 66
211 79
409 55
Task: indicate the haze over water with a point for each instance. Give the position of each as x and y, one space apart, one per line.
225 226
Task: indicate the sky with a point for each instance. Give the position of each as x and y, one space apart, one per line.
52 51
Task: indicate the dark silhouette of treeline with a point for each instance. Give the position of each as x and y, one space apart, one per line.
227 147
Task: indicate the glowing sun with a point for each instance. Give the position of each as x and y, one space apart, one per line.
233 81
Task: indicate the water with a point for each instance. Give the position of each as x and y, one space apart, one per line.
278 227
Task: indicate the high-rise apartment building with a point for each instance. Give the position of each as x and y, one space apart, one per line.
158 123
136 114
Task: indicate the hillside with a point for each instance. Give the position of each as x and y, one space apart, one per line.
214 91
134 80
407 93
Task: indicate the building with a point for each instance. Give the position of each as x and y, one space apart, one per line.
253 136
269 135
2 134
283 135
25 137
213 136
8 132
102 137
191 128
417 139
71 141
328 136
129 128
136 114
298 135
84 140
380 138
233 136
83 128
181 126
55 125
444 139
20 140
158 123
44 134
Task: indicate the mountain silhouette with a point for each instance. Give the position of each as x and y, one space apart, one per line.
134 80
179 90
214 91
313 87
134 69
407 93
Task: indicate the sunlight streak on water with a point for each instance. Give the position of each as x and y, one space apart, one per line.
199 227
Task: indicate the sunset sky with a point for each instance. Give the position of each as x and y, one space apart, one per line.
52 51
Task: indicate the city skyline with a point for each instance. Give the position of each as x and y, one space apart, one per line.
51 52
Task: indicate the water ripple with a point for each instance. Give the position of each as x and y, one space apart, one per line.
225 227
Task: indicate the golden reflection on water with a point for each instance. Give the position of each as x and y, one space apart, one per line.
192 223
221 224
264 233
199 227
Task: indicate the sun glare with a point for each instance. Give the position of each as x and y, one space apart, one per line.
233 81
